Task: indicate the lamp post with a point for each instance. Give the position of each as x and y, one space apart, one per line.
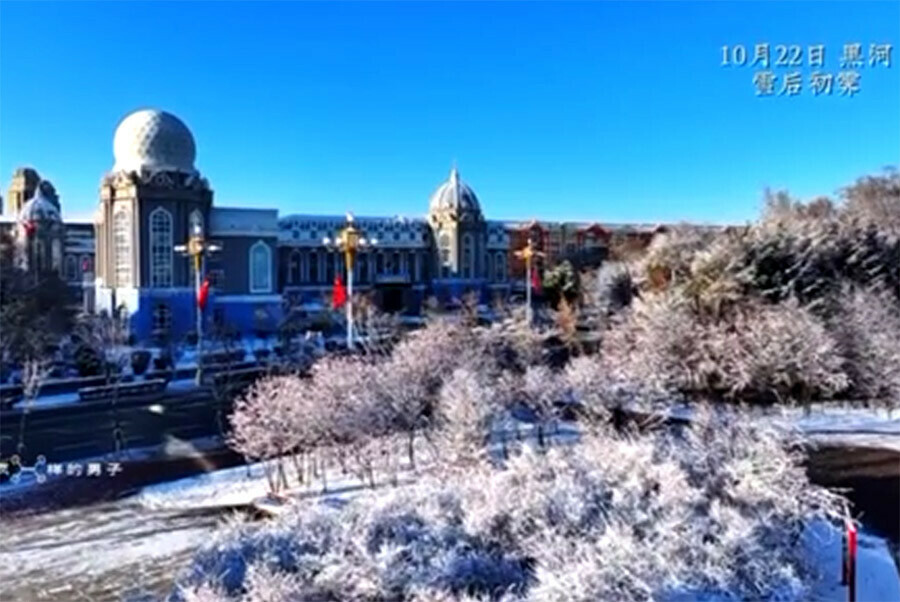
196 248
527 253
349 240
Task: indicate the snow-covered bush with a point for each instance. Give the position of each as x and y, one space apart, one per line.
714 510
866 327
466 407
753 352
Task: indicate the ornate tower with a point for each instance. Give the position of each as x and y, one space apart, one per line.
458 226
40 231
23 186
148 203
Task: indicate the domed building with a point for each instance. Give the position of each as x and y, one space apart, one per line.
41 242
269 267
154 199
40 233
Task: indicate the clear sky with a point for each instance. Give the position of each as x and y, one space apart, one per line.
593 110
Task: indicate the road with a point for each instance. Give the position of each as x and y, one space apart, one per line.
88 429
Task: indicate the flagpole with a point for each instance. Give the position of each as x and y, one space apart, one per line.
350 240
528 288
528 253
349 262
198 264
197 246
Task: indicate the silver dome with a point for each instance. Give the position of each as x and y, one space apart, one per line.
454 196
154 140
39 208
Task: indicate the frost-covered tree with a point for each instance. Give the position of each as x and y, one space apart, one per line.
466 408
866 328
715 511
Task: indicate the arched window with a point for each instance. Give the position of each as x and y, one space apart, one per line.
71 268
412 266
294 267
379 263
56 255
122 246
260 268
40 256
329 267
160 248
468 257
500 266
313 267
395 263
362 267
444 250
489 266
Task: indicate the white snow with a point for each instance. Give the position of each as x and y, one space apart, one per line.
876 574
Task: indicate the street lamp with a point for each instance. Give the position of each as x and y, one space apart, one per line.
350 241
527 253
197 247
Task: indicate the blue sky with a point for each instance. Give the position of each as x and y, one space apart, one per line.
593 110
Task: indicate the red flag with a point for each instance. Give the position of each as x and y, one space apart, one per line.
29 228
535 281
203 294
339 295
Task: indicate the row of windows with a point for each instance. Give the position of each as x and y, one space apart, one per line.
162 251
318 268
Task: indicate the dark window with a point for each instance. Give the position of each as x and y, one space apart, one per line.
363 269
314 267
294 268
329 267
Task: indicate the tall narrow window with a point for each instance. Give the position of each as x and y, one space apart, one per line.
160 248
260 268
294 268
362 267
314 267
329 267
468 257
40 255
501 267
122 247
412 266
444 244
71 268
56 255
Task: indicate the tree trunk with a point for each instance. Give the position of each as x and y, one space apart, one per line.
298 468
410 448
